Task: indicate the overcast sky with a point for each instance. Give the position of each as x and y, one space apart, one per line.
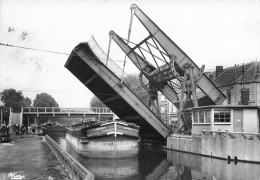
210 32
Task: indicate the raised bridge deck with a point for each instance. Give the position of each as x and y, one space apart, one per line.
88 63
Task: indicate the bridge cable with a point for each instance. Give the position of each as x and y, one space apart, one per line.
128 38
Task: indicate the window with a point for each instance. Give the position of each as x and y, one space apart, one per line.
222 116
163 98
208 116
201 116
162 109
172 108
195 116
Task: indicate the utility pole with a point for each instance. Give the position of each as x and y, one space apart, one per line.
10 116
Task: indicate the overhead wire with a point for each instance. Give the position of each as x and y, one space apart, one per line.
46 51
49 91
54 52
60 53
34 49
38 90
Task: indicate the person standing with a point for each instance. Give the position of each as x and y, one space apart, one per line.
11 128
29 130
33 128
22 129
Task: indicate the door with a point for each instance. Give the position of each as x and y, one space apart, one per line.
238 120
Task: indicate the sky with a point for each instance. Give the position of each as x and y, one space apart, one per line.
212 33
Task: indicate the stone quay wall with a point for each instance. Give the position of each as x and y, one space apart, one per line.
224 145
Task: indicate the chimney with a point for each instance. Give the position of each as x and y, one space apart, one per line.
211 77
219 70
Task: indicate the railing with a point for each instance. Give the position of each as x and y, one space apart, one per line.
231 135
58 110
111 65
75 170
103 58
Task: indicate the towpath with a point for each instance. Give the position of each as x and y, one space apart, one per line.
29 158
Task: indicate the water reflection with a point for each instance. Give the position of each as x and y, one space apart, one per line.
118 168
153 163
189 166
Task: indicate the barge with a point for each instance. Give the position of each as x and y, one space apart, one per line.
111 139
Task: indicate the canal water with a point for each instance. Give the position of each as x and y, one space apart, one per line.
154 163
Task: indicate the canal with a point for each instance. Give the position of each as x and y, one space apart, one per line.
154 163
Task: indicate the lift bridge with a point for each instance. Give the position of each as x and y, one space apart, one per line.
179 79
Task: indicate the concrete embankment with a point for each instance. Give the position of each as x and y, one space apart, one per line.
237 147
29 158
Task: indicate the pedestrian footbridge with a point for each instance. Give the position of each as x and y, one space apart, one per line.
90 65
93 112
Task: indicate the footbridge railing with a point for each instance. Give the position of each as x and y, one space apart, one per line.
75 170
58 110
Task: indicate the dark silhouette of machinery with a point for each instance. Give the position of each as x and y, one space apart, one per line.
179 79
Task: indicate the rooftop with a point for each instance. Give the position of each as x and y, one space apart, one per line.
238 74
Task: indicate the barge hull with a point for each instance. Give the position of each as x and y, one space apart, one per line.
105 147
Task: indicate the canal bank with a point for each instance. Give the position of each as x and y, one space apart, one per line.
30 158
237 147
156 163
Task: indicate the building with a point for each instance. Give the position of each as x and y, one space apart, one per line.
169 113
231 130
240 111
240 83
229 118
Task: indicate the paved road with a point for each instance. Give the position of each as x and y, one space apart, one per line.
28 158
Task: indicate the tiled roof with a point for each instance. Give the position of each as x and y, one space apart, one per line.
233 75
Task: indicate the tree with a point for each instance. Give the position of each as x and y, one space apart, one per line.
95 102
132 81
14 99
44 100
27 102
